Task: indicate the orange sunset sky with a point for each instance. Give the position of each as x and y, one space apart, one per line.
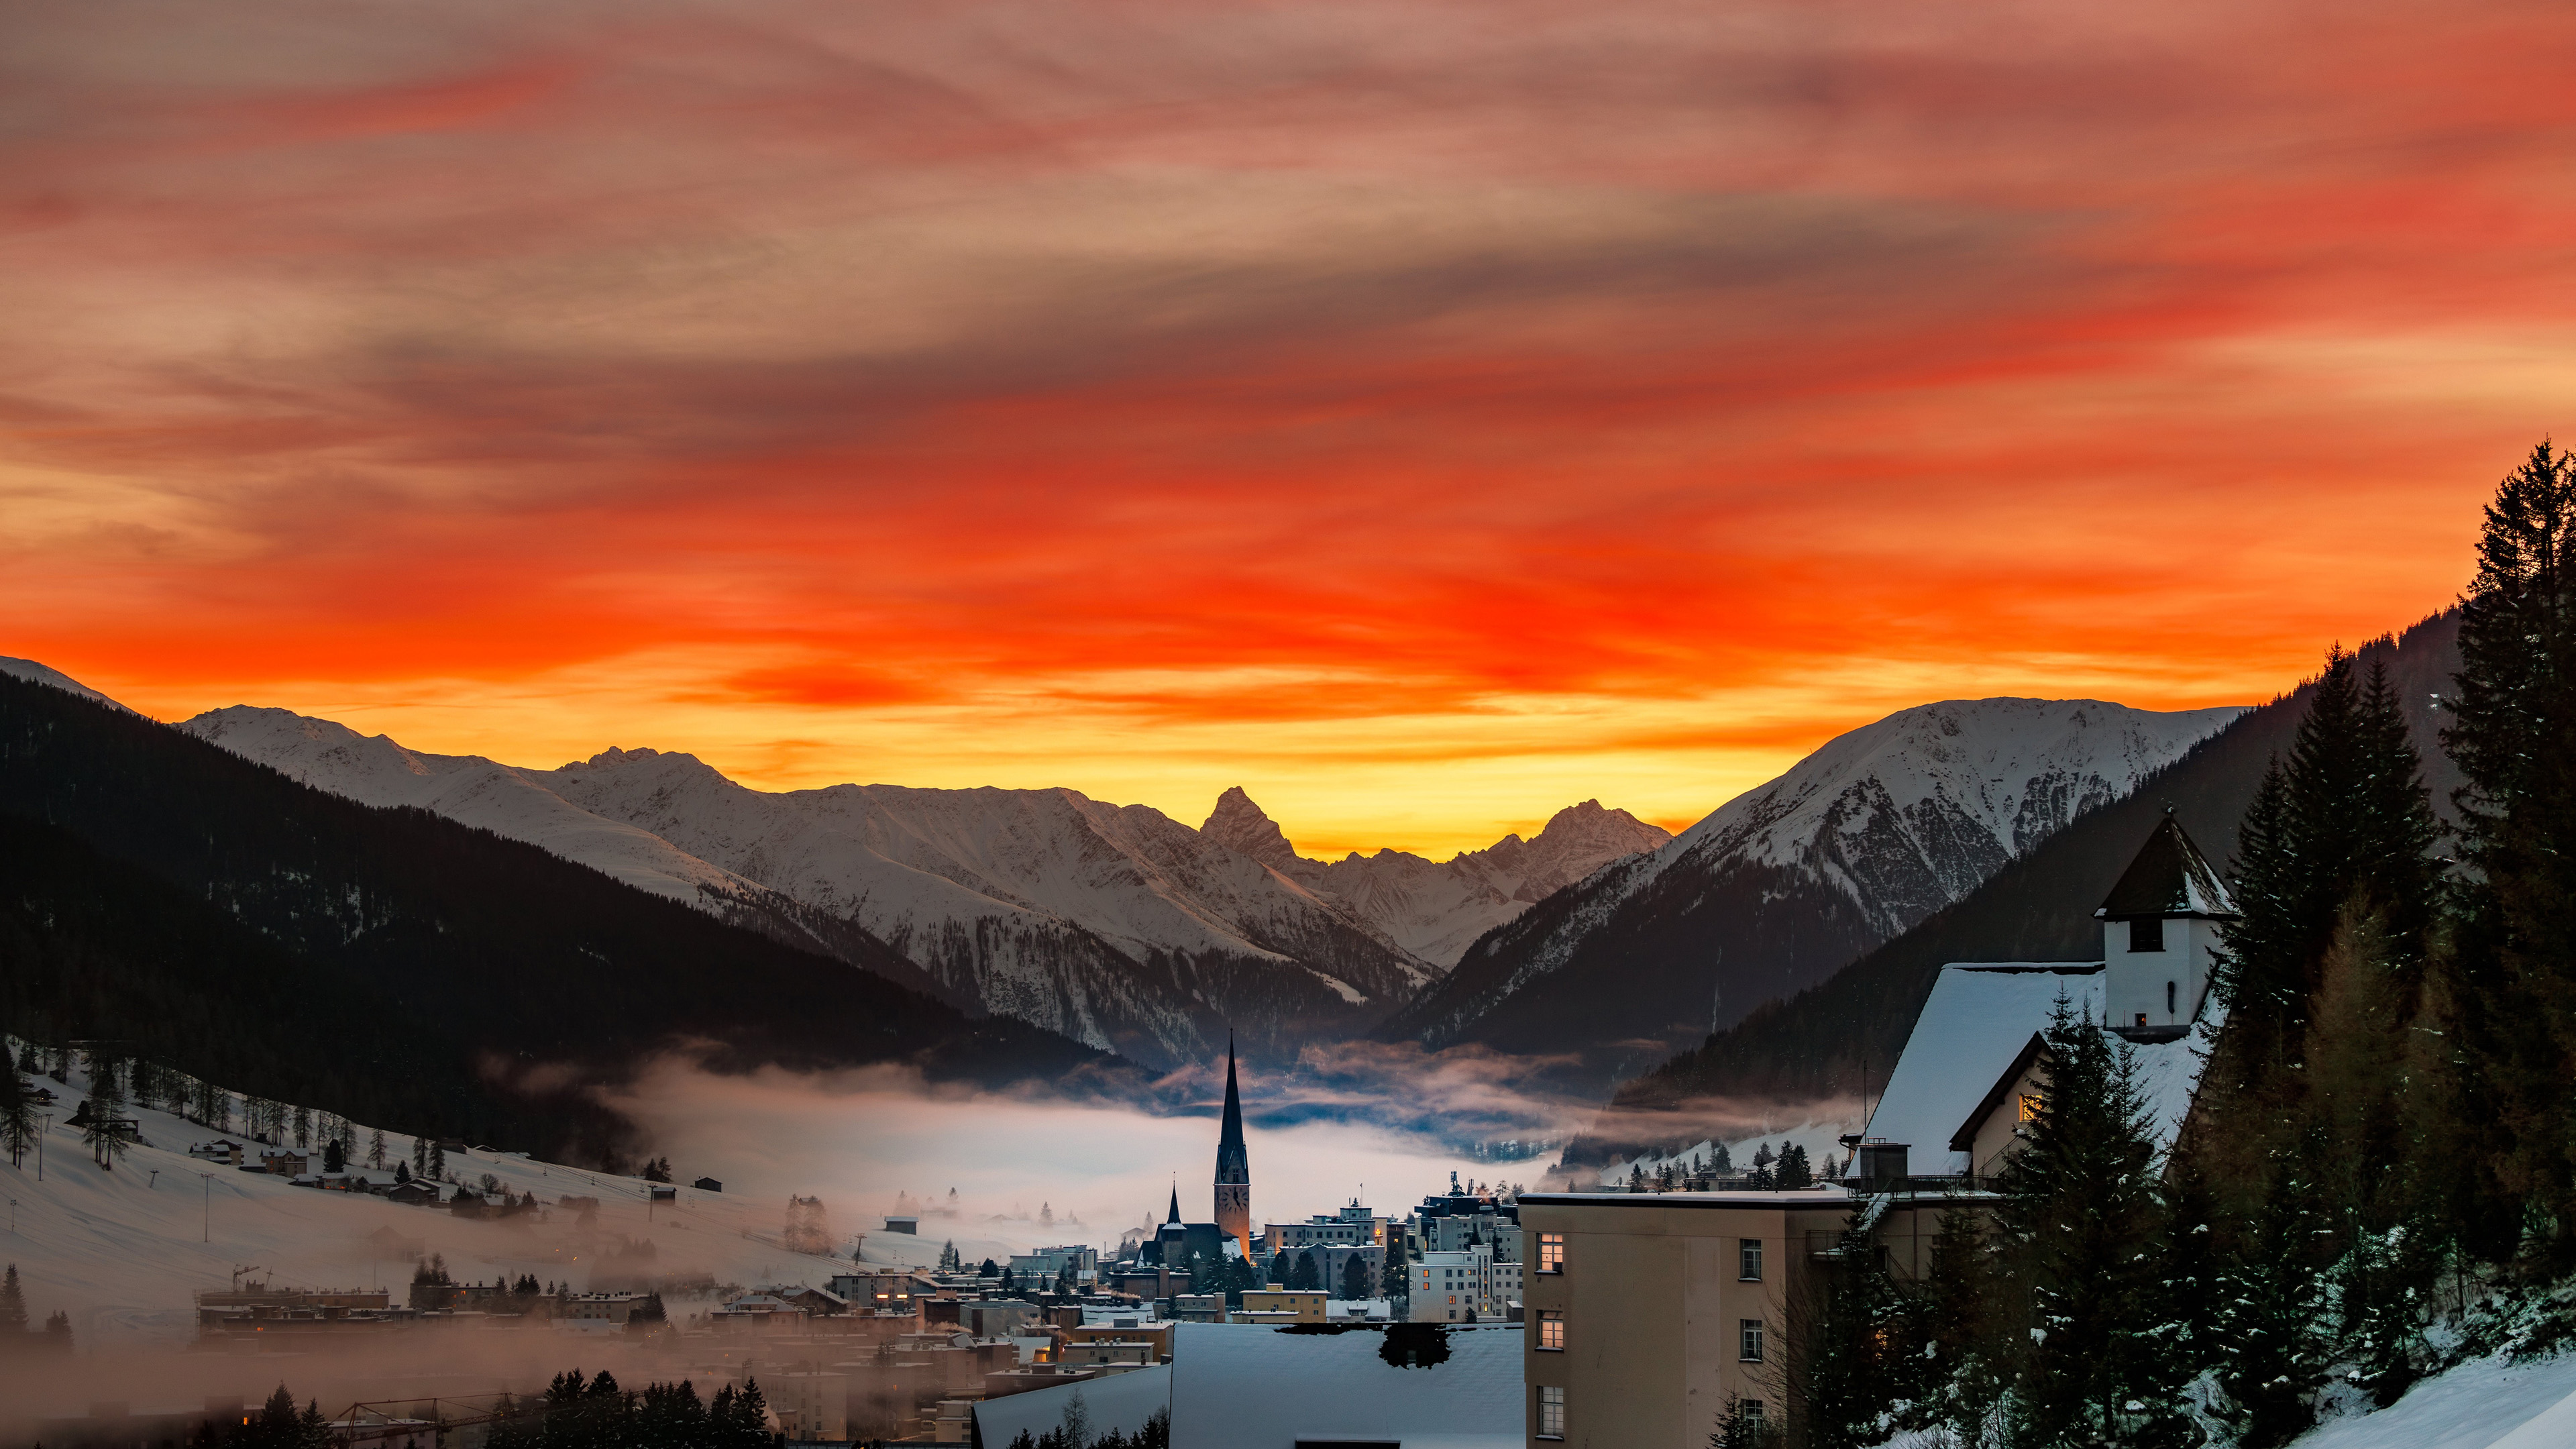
1425 415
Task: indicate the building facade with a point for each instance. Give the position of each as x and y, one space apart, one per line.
1649 1316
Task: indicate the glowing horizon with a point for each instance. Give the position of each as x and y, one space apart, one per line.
1425 416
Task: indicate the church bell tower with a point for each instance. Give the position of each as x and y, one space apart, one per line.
1233 1165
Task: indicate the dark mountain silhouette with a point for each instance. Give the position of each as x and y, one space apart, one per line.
392 965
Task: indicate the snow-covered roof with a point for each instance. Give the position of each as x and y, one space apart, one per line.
1977 1019
1972 1032
1114 1401
1256 1386
2169 877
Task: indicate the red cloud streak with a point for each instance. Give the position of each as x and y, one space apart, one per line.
1052 379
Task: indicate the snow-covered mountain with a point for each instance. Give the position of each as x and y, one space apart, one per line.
1787 882
35 673
468 788
1115 925
1437 909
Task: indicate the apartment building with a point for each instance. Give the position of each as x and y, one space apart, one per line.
1650 1314
1467 1286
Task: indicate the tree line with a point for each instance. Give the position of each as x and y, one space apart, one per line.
2378 1175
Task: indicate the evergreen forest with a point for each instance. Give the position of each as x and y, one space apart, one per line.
2378 1177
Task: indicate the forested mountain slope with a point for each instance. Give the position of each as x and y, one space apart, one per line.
208 912
1842 1035
1782 885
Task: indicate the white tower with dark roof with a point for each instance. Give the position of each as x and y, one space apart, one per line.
2160 938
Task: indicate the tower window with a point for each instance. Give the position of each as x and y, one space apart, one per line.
1551 1412
1748 1260
1551 1252
2147 933
1748 1347
1551 1330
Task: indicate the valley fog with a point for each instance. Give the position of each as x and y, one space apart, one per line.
1031 1170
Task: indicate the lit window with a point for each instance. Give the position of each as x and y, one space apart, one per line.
2031 1105
1551 1413
1551 1330
1748 1259
1749 1340
1551 1252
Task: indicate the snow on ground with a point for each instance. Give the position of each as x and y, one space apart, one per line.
2483 1404
122 1251
1822 1139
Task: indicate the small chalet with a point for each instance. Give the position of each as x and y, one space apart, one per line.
1976 1066
285 1161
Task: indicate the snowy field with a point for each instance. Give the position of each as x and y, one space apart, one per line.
122 1251
2486 1404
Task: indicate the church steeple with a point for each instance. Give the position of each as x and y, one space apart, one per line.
1233 1164
1176 1204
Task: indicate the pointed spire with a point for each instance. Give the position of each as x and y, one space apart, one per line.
1176 1204
1230 1136
1233 1164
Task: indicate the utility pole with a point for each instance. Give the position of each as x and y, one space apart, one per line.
207 1229
48 1120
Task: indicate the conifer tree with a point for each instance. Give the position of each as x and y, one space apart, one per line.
17 1117
2080 1212
2513 735
1792 1170
1858 1349
1963 1371
101 1133
1355 1277
747 1427
13 1305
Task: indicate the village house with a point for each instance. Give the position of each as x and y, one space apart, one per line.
1974 1069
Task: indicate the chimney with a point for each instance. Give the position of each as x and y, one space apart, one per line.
1882 1166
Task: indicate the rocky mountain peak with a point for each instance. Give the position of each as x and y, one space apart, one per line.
1243 827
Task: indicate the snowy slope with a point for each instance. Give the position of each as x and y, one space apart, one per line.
1437 909
467 788
34 673
2488 1403
1783 884
1904 816
122 1250
1045 903
1115 925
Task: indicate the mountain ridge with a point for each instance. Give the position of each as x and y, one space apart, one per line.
207 911
1114 925
1781 885
1828 1039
